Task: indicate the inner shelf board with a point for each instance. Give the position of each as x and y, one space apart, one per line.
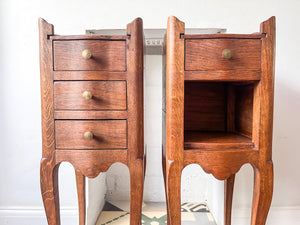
216 140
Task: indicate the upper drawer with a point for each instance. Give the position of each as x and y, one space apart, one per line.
90 95
91 134
106 55
206 54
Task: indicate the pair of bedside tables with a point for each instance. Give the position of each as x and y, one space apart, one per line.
217 111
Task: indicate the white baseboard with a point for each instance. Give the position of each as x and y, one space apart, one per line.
69 216
277 216
35 216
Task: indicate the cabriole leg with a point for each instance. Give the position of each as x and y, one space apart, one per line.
228 195
262 195
49 189
173 190
80 181
136 191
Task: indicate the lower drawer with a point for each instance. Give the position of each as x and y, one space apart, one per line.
91 134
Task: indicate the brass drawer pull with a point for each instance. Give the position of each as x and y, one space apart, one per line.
86 54
87 95
88 135
227 53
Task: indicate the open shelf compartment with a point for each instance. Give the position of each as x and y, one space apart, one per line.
219 115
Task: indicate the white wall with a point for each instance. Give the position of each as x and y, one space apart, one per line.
20 133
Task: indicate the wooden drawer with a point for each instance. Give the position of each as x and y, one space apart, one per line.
106 95
106 55
206 54
107 134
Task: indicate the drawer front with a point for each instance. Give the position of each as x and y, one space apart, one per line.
206 54
107 134
106 55
105 95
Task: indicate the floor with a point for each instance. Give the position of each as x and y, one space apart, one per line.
277 216
117 213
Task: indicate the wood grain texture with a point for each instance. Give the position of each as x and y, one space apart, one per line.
224 36
174 117
221 163
256 114
231 97
80 182
89 115
46 77
89 37
262 193
108 134
216 140
228 197
263 181
244 110
267 88
106 55
206 54
91 162
89 75
135 61
49 190
107 95
205 106
107 75
222 75
248 115
48 169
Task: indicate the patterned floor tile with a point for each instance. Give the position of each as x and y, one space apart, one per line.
116 213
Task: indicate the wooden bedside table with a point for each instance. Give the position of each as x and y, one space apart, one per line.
218 111
92 111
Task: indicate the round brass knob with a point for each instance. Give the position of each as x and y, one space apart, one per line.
88 135
227 53
87 95
86 54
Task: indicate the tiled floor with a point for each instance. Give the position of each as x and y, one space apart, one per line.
117 213
277 216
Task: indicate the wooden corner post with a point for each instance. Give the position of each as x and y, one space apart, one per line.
174 116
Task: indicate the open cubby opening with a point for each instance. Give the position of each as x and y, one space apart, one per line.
219 115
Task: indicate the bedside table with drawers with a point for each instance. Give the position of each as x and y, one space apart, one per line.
92 111
218 111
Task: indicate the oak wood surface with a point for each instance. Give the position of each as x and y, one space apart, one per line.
222 36
46 88
244 110
89 75
221 163
108 134
115 73
263 174
231 106
135 61
92 161
256 114
48 168
206 54
244 101
90 37
106 55
215 140
174 118
222 75
106 95
88 115
205 106
80 182
228 197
